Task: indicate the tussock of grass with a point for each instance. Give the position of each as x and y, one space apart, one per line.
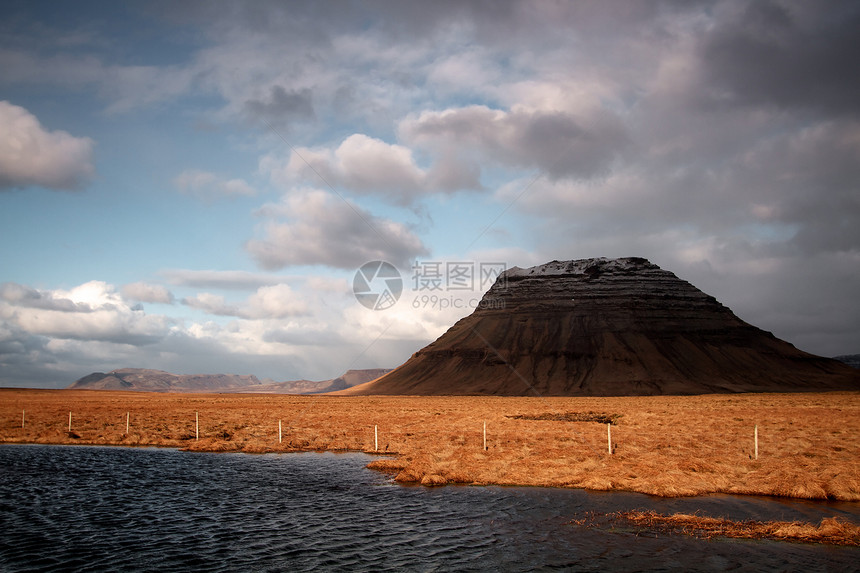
433 480
387 465
832 531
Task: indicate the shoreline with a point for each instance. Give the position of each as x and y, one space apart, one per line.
669 446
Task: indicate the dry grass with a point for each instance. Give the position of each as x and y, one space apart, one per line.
832 531
667 446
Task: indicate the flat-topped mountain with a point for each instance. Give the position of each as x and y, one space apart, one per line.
145 380
606 327
142 379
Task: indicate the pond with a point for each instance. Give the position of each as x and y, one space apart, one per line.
84 508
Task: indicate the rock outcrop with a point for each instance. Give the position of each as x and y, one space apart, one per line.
606 327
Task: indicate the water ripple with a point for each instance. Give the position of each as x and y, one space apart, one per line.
119 509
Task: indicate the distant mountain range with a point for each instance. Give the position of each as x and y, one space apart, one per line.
146 380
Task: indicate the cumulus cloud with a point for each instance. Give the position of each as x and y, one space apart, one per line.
52 337
362 163
277 301
206 185
365 165
91 311
27 297
32 156
313 227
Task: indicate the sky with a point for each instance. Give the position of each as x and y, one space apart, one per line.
196 186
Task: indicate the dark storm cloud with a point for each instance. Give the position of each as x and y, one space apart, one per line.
829 225
785 54
25 361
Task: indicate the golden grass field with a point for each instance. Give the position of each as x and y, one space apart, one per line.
667 445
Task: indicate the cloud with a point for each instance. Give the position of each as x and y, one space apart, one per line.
27 297
815 193
718 139
229 280
362 163
560 143
45 59
131 87
211 304
368 166
205 185
277 301
52 337
145 292
281 106
790 55
62 69
32 156
313 227
298 336
269 302
91 311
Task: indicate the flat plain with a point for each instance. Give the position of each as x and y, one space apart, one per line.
808 443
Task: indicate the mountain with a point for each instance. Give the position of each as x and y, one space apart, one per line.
346 380
352 378
606 327
852 360
144 380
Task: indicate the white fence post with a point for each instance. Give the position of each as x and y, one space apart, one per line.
609 437
756 441
485 435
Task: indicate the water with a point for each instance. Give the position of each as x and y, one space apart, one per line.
76 508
